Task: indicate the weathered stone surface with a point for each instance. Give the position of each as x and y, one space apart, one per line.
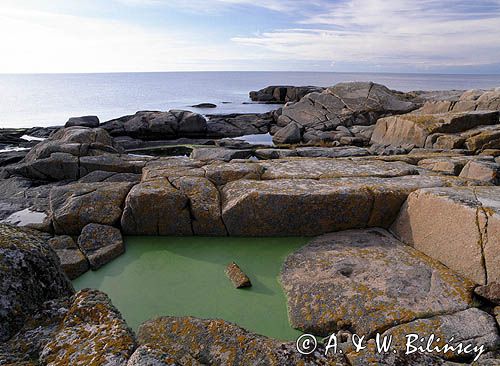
112 163
204 205
490 292
345 104
311 207
101 244
29 276
222 173
216 342
267 154
234 125
331 152
485 171
92 333
156 208
366 281
75 205
219 153
99 176
85 121
149 356
148 125
57 158
416 128
237 276
469 327
458 226
322 168
290 134
73 262
482 138
447 165
283 94
24 347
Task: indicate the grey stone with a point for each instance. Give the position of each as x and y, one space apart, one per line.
101 244
85 121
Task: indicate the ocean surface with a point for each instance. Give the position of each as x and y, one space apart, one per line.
50 99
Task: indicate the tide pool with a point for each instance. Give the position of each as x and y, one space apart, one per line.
184 276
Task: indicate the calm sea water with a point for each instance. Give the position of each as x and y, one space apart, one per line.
47 100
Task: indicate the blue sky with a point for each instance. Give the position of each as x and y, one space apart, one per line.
207 35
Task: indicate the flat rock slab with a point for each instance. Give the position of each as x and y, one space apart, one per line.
313 207
367 281
217 342
322 168
458 226
470 327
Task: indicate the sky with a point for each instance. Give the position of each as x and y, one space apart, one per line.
428 36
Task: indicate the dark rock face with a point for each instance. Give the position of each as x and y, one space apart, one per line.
148 125
101 244
85 121
291 134
219 153
29 276
283 94
205 105
489 292
216 342
234 125
345 104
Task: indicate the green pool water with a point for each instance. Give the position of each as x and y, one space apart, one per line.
185 276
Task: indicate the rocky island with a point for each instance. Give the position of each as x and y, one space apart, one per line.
399 192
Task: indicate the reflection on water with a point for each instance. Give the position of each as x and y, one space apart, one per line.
25 217
185 276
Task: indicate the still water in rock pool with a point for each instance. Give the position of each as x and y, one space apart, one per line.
185 277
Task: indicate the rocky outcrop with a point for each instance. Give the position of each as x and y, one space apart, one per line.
85 121
74 206
471 100
423 130
216 342
345 104
234 125
30 275
283 94
100 244
92 332
148 125
219 153
367 281
460 227
73 261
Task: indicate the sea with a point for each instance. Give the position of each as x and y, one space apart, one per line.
28 100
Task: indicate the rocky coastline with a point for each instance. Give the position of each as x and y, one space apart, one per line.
399 192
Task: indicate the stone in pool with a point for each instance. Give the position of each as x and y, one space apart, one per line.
101 244
237 276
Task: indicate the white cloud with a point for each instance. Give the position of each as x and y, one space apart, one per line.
427 33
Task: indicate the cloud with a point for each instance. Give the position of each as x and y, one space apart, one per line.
424 34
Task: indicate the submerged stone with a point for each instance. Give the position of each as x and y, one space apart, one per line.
237 276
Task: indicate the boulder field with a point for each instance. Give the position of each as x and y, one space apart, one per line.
399 193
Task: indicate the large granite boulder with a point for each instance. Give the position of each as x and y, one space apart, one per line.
290 134
57 158
153 125
283 93
76 205
156 207
101 244
204 205
470 100
366 281
417 128
216 342
92 332
234 125
306 207
73 261
482 170
458 226
30 275
85 121
345 104
219 153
